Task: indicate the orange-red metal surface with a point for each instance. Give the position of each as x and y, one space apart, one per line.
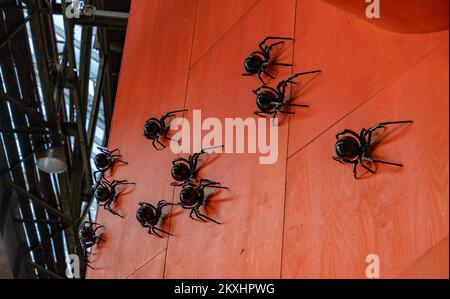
152 81
404 16
333 221
304 216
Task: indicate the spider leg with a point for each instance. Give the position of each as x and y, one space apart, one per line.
296 105
354 162
346 131
265 72
365 166
217 187
275 113
354 172
199 216
269 48
170 114
121 182
281 64
159 142
342 160
202 215
104 150
260 113
108 208
97 180
152 119
178 160
286 112
262 43
97 228
162 231
153 231
194 211
255 91
206 181
394 122
153 143
382 162
150 230
121 161
290 78
260 77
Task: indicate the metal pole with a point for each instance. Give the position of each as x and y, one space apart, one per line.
29 111
15 31
23 130
43 269
38 201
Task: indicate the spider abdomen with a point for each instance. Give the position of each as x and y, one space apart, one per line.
102 194
266 100
86 235
146 214
101 161
253 63
189 196
151 130
181 172
347 147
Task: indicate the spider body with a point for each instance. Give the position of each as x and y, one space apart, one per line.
270 101
267 100
148 216
104 161
88 236
348 147
155 128
257 62
352 148
105 193
192 197
185 170
181 171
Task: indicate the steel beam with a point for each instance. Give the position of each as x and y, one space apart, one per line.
32 113
13 33
38 201
43 269
23 130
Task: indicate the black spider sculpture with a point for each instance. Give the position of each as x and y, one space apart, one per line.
352 148
88 236
104 161
106 193
257 62
185 170
271 101
156 128
192 196
148 216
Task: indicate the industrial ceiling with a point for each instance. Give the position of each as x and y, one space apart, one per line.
58 78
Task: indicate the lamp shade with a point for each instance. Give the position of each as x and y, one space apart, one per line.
52 160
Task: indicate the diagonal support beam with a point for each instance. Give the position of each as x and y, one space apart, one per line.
38 201
13 33
28 110
43 269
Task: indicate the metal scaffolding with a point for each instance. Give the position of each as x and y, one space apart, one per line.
58 79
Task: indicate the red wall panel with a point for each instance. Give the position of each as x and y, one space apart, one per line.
398 213
304 216
246 245
152 81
